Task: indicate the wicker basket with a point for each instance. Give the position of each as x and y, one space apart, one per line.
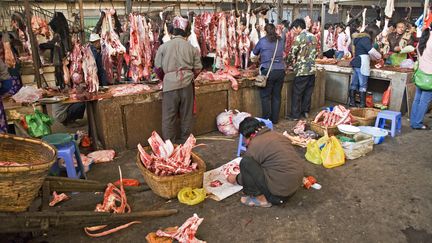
331 131
169 186
19 185
320 130
365 116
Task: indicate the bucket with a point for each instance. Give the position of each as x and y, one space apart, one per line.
377 133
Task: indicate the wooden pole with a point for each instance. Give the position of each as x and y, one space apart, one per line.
82 21
280 11
33 43
425 10
323 14
128 7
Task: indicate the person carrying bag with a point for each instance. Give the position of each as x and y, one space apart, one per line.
270 48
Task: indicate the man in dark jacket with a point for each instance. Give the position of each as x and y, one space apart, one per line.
270 171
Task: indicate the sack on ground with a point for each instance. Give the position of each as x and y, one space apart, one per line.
332 154
224 122
363 144
238 117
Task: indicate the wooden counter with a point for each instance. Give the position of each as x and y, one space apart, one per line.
124 121
338 80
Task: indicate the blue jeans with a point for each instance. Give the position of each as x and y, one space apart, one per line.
359 81
419 107
339 55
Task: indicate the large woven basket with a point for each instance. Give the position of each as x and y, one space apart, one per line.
169 186
19 185
365 116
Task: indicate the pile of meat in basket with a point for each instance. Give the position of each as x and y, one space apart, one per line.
169 167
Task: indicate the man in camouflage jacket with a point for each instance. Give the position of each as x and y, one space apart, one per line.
302 58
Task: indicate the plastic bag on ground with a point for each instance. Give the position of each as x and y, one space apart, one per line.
313 151
238 117
224 122
332 154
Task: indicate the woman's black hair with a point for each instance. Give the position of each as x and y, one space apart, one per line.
271 32
286 23
423 40
372 30
249 126
327 26
299 23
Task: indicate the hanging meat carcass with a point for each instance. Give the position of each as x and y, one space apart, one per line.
261 23
90 70
316 31
289 40
109 36
146 49
232 40
75 68
213 31
8 54
18 24
107 62
193 39
243 36
206 20
222 56
40 26
135 64
254 38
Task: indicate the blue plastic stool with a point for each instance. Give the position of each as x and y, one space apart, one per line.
66 149
241 145
396 121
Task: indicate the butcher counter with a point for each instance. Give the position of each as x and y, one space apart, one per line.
338 80
124 121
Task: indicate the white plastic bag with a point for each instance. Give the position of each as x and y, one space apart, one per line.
407 63
239 117
224 122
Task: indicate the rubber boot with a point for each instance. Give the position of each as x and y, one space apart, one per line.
362 99
352 98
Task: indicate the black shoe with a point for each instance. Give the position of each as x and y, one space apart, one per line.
352 98
290 118
424 127
362 100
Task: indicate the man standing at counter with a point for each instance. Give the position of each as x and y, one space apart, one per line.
302 58
180 62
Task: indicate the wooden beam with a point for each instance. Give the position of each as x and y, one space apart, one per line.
81 10
36 221
33 43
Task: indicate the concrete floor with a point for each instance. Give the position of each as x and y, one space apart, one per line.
384 197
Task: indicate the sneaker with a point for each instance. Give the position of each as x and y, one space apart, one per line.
306 115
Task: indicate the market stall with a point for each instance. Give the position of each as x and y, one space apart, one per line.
125 121
338 81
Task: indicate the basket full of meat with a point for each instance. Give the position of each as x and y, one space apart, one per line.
169 168
329 120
